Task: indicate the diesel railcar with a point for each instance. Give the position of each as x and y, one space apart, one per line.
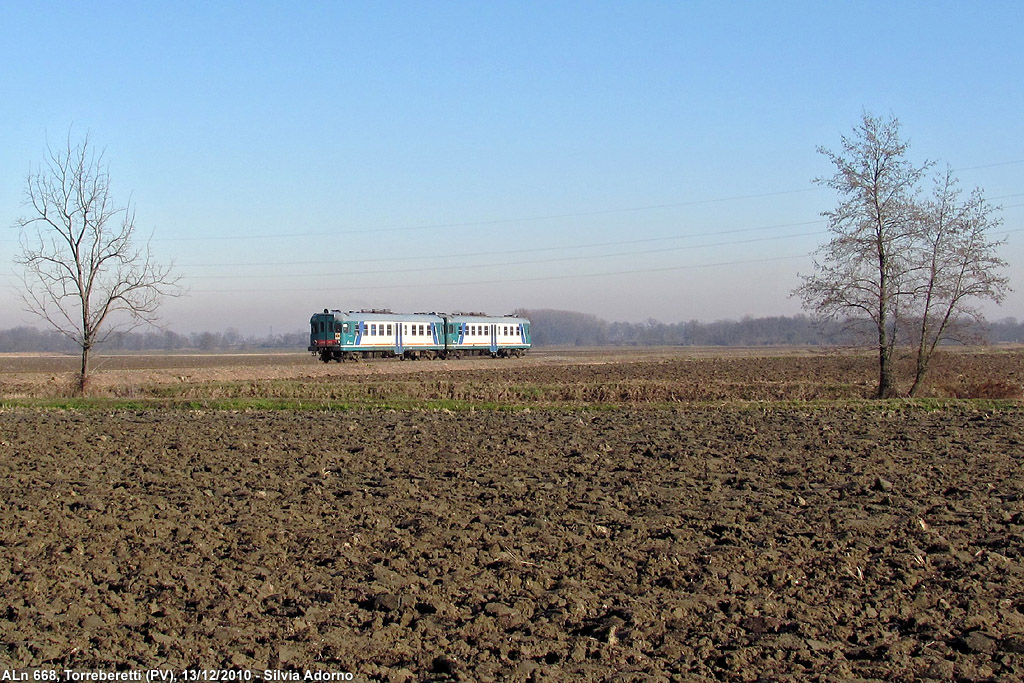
351 335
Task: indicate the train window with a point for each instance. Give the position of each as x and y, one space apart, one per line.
389 331
421 331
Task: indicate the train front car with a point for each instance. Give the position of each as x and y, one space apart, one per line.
329 332
352 335
481 335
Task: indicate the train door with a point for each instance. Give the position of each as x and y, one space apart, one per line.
399 343
494 339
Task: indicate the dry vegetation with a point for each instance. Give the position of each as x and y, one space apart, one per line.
546 377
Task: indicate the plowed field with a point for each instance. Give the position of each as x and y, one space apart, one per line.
712 541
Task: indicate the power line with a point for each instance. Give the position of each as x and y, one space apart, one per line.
497 221
1001 163
504 252
513 280
508 263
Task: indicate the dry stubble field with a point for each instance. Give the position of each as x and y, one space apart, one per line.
646 515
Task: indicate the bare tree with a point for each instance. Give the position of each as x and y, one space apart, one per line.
955 264
909 267
82 271
860 273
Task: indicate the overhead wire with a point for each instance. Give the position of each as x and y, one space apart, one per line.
496 221
464 266
505 252
535 249
521 279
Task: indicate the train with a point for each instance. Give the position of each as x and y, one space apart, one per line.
352 335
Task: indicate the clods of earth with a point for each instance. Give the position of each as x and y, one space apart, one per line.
739 543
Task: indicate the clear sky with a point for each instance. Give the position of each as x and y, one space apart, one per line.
629 159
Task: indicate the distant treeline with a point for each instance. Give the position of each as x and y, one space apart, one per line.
549 328
27 339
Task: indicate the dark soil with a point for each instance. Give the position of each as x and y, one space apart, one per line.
740 544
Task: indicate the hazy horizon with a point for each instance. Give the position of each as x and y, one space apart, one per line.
636 161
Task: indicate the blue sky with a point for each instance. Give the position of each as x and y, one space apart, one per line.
632 160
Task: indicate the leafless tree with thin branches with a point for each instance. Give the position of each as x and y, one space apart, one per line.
81 269
955 264
859 273
910 267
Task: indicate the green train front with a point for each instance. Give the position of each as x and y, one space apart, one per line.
338 335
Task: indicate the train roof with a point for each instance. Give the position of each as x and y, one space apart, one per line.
486 319
388 316
385 316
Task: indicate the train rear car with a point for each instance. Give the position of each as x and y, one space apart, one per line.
487 335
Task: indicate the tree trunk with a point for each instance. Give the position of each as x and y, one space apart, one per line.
885 383
922 367
885 386
83 376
